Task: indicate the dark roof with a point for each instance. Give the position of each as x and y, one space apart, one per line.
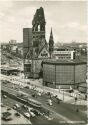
64 62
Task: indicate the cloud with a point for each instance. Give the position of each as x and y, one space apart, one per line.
67 19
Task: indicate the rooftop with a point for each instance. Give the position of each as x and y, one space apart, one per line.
70 62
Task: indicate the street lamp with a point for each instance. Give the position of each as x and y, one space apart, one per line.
63 94
59 89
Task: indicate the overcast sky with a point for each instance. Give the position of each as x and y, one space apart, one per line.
67 19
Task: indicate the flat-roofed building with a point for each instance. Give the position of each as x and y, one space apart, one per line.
27 41
27 49
63 73
66 54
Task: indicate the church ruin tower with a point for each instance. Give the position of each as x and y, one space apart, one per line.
51 43
38 30
35 46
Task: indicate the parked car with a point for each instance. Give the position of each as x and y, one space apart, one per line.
27 115
2 105
32 114
50 102
30 111
4 96
6 116
34 95
17 114
27 87
71 90
36 112
28 83
8 108
39 94
16 106
25 107
3 81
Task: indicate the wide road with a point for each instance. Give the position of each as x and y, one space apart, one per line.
67 112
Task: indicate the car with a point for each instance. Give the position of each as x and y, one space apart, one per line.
49 118
2 105
71 90
34 95
36 112
30 111
17 114
4 82
50 102
27 115
34 103
39 94
16 106
8 108
28 83
48 93
27 87
32 114
4 96
6 116
25 107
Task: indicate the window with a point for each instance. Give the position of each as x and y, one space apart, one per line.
38 27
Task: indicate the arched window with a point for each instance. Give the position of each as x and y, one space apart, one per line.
38 27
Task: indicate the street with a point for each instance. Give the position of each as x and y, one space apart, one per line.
64 111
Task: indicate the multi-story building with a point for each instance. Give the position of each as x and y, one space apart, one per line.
27 41
66 54
27 49
13 45
63 73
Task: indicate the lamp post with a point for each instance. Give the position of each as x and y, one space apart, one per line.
63 94
75 101
59 89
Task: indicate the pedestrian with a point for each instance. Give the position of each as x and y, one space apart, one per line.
77 110
86 97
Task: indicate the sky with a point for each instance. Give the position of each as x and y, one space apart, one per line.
68 19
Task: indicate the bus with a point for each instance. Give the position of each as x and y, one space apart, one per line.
34 103
22 95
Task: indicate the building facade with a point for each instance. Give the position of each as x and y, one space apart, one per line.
27 50
63 54
36 52
27 41
63 74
